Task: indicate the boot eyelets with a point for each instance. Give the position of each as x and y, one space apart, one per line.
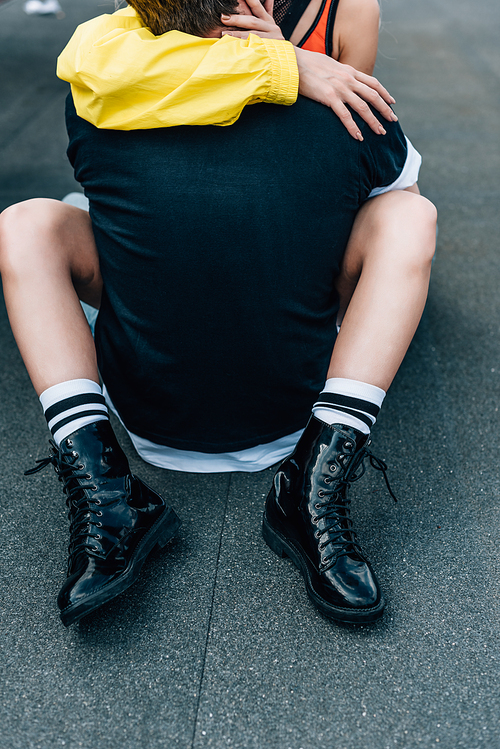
96 501
317 506
328 480
347 445
321 493
333 468
74 454
99 513
317 534
80 466
88 475
94 488
99 524
69 443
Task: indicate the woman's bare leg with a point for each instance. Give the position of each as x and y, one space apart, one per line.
383 286
48 261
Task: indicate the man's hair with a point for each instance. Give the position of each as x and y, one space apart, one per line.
197 17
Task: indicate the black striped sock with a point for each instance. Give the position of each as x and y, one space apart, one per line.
72 405
357 406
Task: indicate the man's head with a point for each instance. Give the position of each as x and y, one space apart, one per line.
197 17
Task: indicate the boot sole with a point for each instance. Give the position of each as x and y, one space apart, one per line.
282 547
160 534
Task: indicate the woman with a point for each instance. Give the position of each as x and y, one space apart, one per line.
105 59
346 30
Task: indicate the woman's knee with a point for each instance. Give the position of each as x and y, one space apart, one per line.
422 219
24 230
39 231
422 211
403 225
394 225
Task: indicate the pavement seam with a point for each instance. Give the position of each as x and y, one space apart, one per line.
210 613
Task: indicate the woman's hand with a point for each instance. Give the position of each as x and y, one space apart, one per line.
336 85
321 78
253 18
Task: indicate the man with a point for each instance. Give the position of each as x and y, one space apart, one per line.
221 275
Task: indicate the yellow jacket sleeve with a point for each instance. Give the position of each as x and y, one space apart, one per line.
124 78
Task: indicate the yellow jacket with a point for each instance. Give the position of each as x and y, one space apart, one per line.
124 78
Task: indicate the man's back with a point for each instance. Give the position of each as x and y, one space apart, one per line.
218 250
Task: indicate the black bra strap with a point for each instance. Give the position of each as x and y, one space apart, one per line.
293 16
311 28
329 27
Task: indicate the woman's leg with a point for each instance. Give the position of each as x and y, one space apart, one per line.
383 286
48 261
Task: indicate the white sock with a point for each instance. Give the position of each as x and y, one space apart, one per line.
72 405
349 402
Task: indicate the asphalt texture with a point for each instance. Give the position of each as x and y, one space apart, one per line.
217 644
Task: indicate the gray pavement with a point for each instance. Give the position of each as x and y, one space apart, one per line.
217 645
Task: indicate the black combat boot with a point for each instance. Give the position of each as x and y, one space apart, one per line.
115 519
307 518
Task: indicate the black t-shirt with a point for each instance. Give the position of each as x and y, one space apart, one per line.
218 248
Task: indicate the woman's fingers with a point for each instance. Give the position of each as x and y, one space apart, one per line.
337 86
344 85
261 11
375 98
251 23
375 84
269 7
241 21
258 19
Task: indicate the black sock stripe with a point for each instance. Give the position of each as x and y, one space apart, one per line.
345 400
358 414
76 416
345 409
73 402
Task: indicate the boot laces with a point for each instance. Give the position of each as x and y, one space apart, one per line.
82 509
337 505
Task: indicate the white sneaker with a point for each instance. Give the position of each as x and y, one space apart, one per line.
42 7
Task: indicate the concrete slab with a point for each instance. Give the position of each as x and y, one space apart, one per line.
408 680
129 675
217 644
427 674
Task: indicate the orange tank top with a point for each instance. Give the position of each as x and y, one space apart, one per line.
319 38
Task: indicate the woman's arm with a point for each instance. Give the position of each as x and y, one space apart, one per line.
355 34
328 81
